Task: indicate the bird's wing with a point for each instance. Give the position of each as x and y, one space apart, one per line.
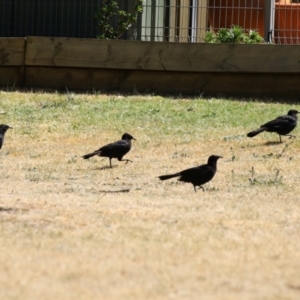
116 148
197 171
279 122
111 146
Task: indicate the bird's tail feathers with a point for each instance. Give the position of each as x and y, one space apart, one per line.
165 177
256 132
91 154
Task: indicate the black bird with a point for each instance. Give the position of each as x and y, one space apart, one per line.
198 175
3 129
282 125
114 150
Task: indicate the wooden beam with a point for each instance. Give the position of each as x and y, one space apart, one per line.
12 51
11 76
240 85
163 56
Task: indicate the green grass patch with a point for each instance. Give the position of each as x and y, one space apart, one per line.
72 227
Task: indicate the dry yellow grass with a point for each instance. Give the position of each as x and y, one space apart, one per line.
66 233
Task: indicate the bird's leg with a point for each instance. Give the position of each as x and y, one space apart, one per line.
201 187
127 160
280 138
291 136
110 162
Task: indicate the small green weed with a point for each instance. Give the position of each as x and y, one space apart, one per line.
275 179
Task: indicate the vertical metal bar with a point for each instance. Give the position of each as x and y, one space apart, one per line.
38 18
44 19
67 19
153 12
61 16
172 20
50 19
157 11
184 21
202 14
194 21
75 17
12 19
81 28
269 8
84 21
139 26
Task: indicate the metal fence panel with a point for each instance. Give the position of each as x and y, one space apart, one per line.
287 22
161 20
244 13
6 21
66 18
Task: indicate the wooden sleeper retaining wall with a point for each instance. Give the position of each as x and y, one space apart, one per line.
257 71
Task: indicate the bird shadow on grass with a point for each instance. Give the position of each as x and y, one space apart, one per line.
104 168
116 191
272 143
284 143
269 143
6 209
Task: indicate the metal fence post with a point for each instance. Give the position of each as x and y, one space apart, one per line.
269 9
